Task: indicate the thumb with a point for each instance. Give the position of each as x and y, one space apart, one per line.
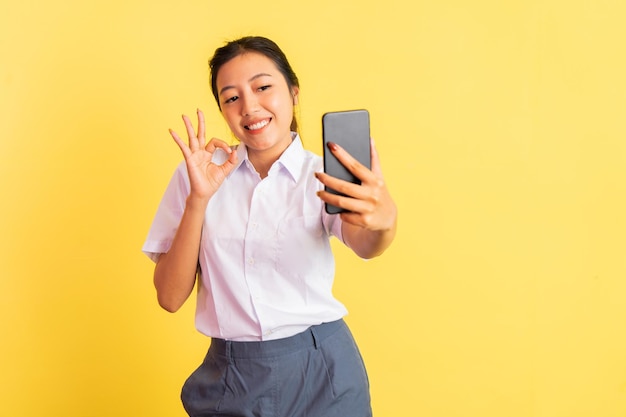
231 162
374 159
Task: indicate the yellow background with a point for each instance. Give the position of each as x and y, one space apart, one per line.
502 130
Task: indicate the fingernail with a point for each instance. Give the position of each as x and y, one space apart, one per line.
333 146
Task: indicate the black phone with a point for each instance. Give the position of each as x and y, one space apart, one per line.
351 130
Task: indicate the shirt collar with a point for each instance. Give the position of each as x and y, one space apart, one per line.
291 159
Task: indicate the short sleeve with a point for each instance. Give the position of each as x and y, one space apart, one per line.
332 224
168 215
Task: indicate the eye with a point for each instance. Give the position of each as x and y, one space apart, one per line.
264 87
231 99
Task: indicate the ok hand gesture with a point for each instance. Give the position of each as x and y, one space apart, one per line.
205 176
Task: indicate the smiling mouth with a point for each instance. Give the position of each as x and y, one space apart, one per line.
258 125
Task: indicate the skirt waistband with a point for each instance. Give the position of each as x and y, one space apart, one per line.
311 337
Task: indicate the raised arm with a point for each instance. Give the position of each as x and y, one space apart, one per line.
175 271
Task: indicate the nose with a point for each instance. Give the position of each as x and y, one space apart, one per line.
250 104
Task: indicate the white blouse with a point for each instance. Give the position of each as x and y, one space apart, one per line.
267 268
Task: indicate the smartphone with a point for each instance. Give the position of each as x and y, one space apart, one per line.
350 130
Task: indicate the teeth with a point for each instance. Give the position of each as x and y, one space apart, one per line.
258 125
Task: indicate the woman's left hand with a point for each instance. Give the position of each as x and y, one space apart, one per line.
369 204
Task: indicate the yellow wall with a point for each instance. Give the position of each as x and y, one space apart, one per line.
502 133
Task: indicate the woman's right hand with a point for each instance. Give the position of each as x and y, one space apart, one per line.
205 176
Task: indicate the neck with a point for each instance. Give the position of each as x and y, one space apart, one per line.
262 160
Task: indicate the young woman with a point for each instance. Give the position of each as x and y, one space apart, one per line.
249 221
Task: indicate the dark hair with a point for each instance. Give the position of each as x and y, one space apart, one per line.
257 44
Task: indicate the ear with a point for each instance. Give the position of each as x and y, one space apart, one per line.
294 92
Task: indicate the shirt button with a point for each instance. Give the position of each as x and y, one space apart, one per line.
251 261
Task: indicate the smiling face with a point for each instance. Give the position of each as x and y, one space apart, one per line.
257 104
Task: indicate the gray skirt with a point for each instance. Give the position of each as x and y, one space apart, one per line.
317 373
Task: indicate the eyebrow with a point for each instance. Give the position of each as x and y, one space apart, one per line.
259 75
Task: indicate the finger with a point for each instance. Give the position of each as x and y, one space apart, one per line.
355 167
353 205
375 159
357 191
191 133
332 198
201 127
228 165
358 212
216 143
353 218
231 162
181 144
